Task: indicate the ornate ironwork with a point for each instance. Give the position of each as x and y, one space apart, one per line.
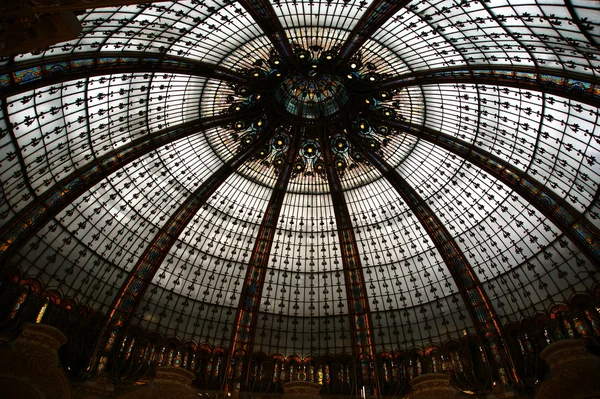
146 267
362 334
472 292
21 77
378 13
19 230
252 289
264 15
570 85
581 231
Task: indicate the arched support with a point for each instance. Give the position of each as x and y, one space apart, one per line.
247 314
263 13
584 26
374 17
571 85
571 222
471 290
574 370
30 367
356 293
69 5
134 288
18 151
23 76
23 226
432 385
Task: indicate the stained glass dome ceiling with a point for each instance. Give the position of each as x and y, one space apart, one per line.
441 135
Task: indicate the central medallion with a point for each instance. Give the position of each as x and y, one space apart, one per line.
312 95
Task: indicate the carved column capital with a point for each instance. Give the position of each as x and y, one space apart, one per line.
301 390
170 383
432 386
33 361
98 387
573 372
173 383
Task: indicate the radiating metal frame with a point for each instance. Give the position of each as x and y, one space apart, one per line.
71 5
18 153
247 314
583 29
356 293
378 13
570 221
571 85
471 290
23 226
264 15
140 277
24 76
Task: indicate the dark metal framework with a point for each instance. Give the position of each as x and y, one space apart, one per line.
378 13
250 297
571 85
420 48
23 226
139 279
583 24
22 77
362 332
583 233
472 292
265 17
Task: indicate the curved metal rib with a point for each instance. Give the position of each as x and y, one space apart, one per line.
471 290
71 5
21 77
247 314
571 85
374 17
143 272
263 13
356 293
584 27
23 226
571 222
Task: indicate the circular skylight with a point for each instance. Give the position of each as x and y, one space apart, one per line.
313 96
408 173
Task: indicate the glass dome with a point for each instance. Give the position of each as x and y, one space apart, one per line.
312 97
449 188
